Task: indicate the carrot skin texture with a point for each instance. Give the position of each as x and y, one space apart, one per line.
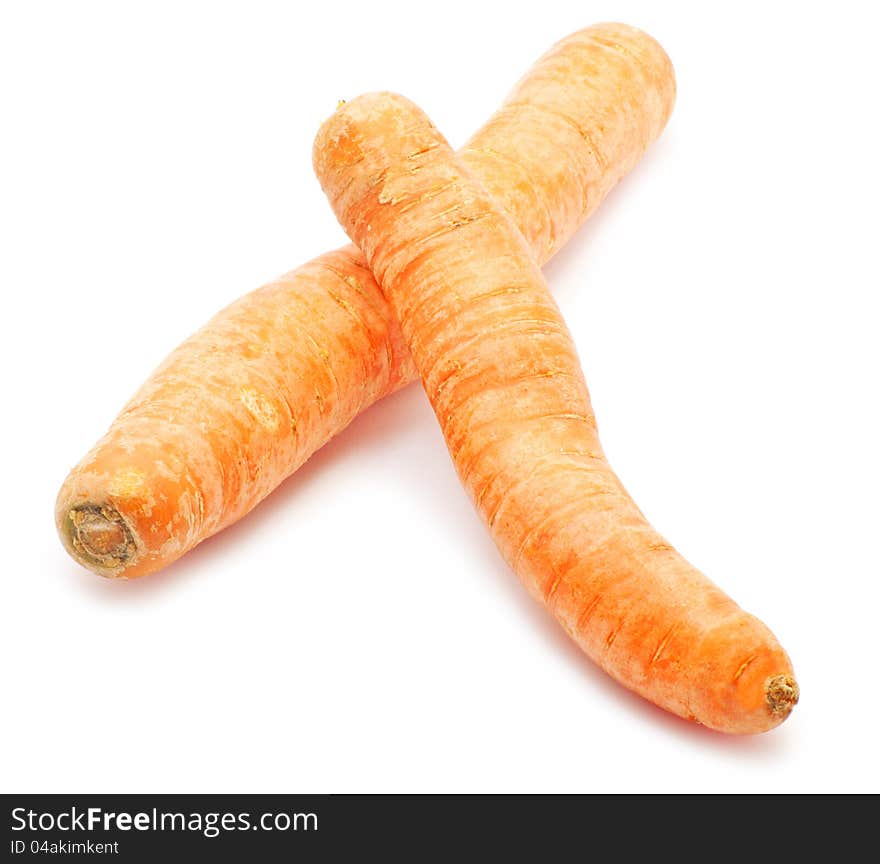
502 374
248 398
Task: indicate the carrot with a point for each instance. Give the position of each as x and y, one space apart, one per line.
500 369
246 400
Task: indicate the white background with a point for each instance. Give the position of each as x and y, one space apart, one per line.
358 631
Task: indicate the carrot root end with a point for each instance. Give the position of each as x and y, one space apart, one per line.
100 538
782 694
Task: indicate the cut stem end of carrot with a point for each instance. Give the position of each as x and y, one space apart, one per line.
100 538
782 694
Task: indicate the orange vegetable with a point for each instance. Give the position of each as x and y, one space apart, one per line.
501 371
247 399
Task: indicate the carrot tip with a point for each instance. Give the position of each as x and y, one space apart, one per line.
782 693
100 537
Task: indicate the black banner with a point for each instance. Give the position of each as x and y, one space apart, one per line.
404 828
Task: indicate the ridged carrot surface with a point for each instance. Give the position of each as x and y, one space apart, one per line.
501 371
247 399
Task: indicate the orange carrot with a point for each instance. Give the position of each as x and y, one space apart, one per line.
247 399
502 374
